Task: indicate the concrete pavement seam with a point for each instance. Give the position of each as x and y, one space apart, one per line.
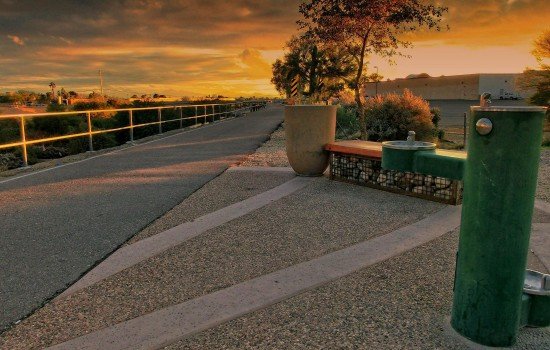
261 169
542 206
540 243
168 325
132 254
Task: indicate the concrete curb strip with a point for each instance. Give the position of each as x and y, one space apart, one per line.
132 254
168 325
262 169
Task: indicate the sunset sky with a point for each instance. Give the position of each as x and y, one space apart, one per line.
199 47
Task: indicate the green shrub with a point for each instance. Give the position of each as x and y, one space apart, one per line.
102 141
41 127
346 121
436 116
9 131
50 152
9 161
78 145
32 155
84 106
390 117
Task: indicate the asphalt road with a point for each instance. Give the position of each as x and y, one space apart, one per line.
56 225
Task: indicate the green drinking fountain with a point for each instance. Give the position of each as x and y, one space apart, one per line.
494 294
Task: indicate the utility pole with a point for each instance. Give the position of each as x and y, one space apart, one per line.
101 83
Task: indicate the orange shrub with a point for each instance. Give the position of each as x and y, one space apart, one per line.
390 117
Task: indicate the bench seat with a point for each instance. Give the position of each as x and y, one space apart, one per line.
360 162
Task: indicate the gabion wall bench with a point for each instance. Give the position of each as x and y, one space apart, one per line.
360 162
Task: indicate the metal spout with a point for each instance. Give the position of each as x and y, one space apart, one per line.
411 137
485 100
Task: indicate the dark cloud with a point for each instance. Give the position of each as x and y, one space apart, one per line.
192 46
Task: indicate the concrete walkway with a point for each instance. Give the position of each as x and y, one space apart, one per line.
260 259
59 223
169 325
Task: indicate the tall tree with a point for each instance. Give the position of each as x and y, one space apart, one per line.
52 87
322 69
365 27
539 79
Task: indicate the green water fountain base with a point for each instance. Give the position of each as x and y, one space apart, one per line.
494 295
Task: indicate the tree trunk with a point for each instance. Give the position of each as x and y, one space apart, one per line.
357 89
360 114
313 71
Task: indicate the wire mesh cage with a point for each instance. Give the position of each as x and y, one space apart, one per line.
368 172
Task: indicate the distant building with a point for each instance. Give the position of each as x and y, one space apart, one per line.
161 98
212 98
453 87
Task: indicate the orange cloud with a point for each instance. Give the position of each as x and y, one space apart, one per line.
196 47
255 65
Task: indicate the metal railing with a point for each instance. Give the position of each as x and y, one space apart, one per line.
207 111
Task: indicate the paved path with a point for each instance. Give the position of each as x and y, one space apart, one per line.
166 326
57 224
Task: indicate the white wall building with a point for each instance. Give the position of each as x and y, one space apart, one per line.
454 87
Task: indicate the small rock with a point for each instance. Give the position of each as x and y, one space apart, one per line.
417 179
443 193
441 182
423 189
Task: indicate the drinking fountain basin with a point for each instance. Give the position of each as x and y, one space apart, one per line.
536 299
410 146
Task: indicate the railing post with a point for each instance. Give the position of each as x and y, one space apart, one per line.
90 136
213 113
131 126
24 141
196 114
181 118
160 120
205 113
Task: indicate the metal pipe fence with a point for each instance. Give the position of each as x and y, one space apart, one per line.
210 112
458 133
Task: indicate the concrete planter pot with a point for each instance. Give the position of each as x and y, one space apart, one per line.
308 128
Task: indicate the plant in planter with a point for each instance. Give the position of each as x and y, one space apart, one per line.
310 123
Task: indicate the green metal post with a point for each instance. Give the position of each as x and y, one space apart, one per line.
499 193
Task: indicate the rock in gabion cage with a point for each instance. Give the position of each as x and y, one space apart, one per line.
368 172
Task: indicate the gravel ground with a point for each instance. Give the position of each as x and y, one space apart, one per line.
215 195
324 217
272 153
401 303
543 188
